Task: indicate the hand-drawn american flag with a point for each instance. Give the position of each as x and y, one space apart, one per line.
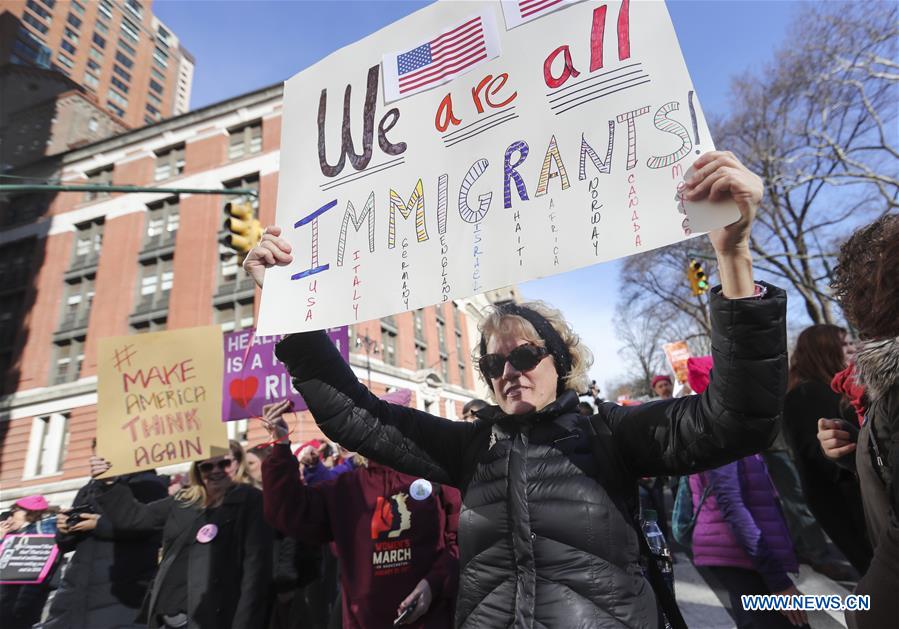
518 12
444 56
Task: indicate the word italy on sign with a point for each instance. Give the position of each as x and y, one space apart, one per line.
474 145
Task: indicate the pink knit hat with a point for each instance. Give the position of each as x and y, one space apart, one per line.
33 503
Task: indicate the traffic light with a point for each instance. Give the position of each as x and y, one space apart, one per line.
699 282
242 230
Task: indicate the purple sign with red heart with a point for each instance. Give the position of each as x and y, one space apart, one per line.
255 377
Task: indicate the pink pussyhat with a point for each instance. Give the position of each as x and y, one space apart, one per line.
33 503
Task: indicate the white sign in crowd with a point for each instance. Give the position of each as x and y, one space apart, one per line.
474 145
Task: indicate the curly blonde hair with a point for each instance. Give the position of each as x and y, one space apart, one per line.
498 322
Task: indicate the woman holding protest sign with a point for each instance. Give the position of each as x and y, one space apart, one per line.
216 548
547 530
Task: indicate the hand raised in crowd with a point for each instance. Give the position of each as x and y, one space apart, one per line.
88 522
421 593
716 176
308 456
7 526
99 465
272 250
836 442
797 617
273 417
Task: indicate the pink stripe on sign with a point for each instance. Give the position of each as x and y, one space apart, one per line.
531 7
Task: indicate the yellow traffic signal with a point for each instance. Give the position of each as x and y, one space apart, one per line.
243 230
699 281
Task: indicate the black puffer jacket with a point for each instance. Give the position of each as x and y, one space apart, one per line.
542 537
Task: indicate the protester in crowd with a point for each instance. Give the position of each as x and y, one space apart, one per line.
538 479
866 282
471 408
21 605
662 386
395 535
313 468
831 491
108 576
177 482
740 533
295 565
216 564
238 472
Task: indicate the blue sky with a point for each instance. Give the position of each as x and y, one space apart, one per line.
240 46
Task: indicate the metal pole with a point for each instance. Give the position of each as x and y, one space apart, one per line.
25 187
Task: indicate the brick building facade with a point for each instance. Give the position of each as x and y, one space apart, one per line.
117 49
95 264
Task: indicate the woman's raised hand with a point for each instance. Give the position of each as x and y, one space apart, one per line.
273 419
271 251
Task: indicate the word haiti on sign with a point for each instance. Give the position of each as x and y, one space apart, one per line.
544 137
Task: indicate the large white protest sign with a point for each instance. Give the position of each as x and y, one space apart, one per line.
567 149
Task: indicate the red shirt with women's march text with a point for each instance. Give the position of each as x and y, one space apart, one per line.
391 531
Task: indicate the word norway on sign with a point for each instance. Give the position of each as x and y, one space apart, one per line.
254 377
567 148
159 398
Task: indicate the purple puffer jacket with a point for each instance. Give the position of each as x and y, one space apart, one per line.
741 524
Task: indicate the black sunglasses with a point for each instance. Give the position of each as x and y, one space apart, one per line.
207 466
523 358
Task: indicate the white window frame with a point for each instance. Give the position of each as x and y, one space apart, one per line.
46 446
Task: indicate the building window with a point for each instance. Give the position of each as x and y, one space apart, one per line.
156 278
124 46
163 219
88 242
15 264
71 34
421 355
100 177
441 333
47 445
38 10
101 27
169 162
130 30
119 85
388 340
79 8
152 110
245 140
77 300
118 70
49 3
115 97
67 359
65 60
135 8
159 76
156 87
160 57
419 319
96 54
20 209
105 8
36 23
67 46
74 20
153 98
235 315
157 324
125 61
118 111
10 320
92 82
444 367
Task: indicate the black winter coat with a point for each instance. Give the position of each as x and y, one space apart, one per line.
107 579
543 539
229 577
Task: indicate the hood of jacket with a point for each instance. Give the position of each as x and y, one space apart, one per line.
877 365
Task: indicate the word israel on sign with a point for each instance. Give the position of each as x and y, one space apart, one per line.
413 173
159 398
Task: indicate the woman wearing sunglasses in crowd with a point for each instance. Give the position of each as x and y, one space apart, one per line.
546 534
216 547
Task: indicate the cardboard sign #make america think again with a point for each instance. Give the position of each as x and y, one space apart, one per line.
160 397
474 145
